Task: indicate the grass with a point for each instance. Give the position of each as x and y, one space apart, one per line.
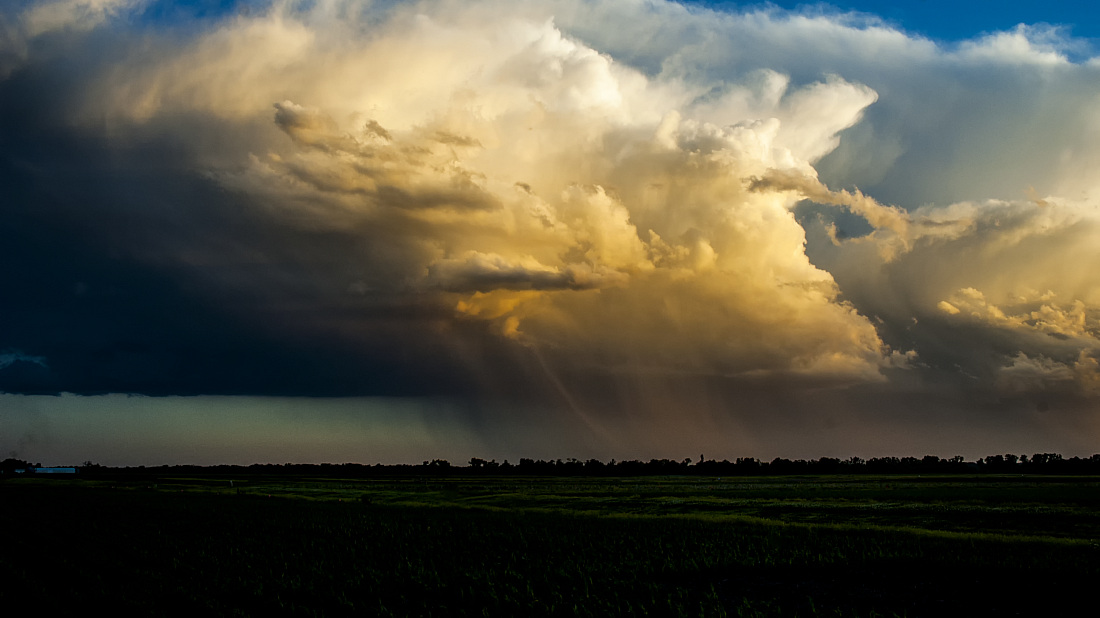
830 546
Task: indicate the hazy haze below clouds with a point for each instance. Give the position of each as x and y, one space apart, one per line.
751 231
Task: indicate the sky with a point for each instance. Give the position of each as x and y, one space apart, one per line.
389 232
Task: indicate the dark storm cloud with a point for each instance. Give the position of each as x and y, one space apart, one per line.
129 270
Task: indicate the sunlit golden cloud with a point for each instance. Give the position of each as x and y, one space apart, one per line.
512 159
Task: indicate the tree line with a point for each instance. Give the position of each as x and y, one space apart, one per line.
1039 463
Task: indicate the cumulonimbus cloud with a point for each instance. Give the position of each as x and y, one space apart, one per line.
629 198
536 164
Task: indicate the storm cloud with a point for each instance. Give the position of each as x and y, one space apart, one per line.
693 223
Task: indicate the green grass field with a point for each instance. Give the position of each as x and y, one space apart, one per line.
477 546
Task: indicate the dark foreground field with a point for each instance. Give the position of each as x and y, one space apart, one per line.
830 546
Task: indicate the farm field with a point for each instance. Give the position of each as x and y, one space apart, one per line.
483 546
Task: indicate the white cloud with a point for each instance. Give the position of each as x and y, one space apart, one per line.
73 14
1023 46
